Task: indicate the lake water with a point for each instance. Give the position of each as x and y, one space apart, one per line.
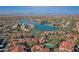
42 27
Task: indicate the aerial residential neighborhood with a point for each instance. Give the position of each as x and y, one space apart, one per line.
26 34
39 33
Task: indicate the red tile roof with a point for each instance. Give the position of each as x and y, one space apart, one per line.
67 45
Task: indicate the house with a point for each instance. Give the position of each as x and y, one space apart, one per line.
18 48
24 29
76 37
67 46
77 26
45 50
72 36
39 48
42 40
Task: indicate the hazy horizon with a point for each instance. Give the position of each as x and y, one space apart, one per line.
37 10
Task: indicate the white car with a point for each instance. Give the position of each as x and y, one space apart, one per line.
2 44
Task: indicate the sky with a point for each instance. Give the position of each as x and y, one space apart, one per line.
4 10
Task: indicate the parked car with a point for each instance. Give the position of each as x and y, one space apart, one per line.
2 44
76 48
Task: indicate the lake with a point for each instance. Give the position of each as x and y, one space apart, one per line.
39 26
